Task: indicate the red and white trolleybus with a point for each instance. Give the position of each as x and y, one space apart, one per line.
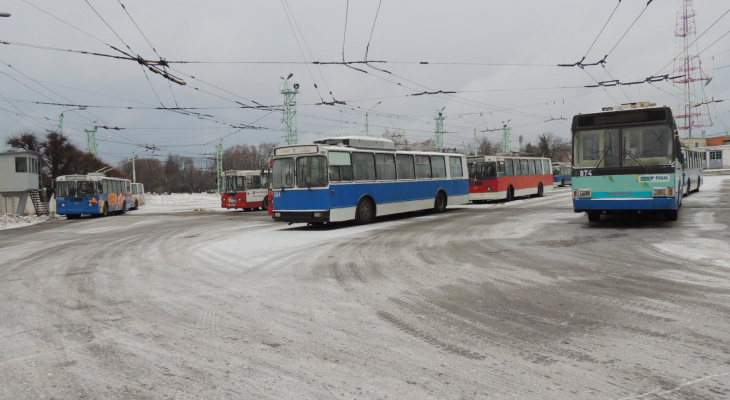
247 189
508 177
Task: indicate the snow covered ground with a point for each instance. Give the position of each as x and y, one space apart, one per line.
164 203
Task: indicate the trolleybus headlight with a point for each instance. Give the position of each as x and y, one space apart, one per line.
585 193
317 215
277 215
63 204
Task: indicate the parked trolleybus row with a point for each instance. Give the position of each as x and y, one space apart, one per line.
625 159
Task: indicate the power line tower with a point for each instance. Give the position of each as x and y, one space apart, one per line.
290 110
219 166
91 146
440 131
688 69
505 136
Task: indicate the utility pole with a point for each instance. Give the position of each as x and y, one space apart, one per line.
440 131
290 110
91 146
476 143
134 170
219 165
505 136
367 127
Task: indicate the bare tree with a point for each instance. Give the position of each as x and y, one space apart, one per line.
554 147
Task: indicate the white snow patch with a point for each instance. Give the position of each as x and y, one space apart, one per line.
10 221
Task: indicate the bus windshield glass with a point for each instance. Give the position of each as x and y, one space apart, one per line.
282 174
235 184
311 172
482 171
625 147
76 188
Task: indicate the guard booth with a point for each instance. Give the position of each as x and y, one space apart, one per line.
20 176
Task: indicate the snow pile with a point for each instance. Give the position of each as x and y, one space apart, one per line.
180 198
180 202
9 221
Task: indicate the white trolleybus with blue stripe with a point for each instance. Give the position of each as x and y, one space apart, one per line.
359 178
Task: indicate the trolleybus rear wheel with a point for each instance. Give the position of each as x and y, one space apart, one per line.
539 190
265 204
364 212
104 211
439 205
510 193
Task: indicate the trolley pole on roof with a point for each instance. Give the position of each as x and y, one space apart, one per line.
290 110
440 131
219 165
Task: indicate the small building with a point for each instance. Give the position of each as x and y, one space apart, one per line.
20 176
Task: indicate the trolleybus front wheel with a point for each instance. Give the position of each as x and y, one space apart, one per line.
265 204
364 212
671 215
594 216
104 211
510 193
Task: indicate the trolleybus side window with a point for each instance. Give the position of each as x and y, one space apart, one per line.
439 166
531 166
423 167
455 167
524 167
283 173
363 166
385 166
340 166
311 171
508 168
406 169
546 166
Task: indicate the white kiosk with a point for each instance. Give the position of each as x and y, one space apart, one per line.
20 176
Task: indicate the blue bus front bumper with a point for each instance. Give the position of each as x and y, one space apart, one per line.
633 204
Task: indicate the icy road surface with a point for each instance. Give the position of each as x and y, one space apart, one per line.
521 300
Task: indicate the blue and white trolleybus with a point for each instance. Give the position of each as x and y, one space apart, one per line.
359 178
92 194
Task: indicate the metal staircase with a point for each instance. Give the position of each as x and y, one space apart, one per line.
41 208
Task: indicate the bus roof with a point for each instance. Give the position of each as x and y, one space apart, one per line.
89 177
500 158
359 142
237 172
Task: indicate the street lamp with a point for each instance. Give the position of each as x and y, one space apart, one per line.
367 127
60 117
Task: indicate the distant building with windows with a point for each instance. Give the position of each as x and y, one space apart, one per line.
717 150
20 177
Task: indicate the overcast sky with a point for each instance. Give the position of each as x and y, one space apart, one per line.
499 57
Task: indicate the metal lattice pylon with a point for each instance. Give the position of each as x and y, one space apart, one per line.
694 113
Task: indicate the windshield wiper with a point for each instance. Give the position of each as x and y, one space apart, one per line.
637 160
603 154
